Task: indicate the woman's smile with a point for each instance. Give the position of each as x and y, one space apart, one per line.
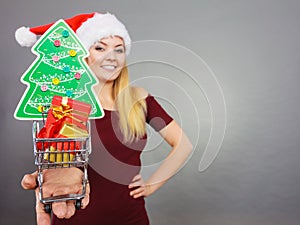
109 68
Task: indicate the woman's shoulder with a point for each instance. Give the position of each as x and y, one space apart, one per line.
140 92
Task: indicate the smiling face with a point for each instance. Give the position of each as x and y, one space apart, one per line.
107 58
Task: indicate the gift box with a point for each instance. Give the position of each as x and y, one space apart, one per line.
66 119
64 106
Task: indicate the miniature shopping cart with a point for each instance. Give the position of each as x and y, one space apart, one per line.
52 153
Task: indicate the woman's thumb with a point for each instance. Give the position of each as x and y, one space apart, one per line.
29 181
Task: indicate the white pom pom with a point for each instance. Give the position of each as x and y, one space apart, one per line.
25 37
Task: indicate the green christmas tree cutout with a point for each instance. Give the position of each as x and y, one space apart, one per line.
60 69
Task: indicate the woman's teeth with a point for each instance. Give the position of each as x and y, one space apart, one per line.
109 67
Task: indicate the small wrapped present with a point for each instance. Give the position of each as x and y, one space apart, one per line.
64 106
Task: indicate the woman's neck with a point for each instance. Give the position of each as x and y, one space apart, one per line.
104 93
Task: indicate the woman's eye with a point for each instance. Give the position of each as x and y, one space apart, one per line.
99 48
119 50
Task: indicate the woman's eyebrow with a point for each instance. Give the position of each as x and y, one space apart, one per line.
103 43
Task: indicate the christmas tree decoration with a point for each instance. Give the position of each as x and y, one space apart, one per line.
59 70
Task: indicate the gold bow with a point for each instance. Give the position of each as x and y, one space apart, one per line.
61 111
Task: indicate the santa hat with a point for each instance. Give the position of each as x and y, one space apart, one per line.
88 27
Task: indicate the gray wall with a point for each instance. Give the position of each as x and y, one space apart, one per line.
252 47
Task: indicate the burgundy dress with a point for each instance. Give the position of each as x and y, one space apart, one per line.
112 166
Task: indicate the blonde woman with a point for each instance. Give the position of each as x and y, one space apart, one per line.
116 191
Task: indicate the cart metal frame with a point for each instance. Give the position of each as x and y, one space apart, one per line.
68 156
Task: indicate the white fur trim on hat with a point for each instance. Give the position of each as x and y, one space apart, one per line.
101 26
25 37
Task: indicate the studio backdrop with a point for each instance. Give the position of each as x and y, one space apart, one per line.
227 71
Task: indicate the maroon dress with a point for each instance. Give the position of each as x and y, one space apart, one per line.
112 166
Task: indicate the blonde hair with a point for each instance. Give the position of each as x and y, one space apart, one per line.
131 108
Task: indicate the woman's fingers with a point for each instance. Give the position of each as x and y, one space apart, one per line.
85 201
135 184
70 209
29 181
136 181
67 209
60 209
64 209
137 177
141 187
42 218
139 192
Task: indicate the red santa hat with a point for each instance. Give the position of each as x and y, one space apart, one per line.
88 27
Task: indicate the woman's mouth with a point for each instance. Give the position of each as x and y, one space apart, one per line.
109 67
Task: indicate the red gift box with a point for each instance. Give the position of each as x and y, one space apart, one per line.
64 105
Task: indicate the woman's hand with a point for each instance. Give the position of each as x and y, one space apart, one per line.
57 182
141 189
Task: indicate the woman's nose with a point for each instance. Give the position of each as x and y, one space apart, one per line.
110 55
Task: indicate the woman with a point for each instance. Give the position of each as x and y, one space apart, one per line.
117 189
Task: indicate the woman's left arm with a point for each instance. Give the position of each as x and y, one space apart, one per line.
181 149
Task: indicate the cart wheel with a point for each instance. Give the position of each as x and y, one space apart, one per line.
78 204
47 208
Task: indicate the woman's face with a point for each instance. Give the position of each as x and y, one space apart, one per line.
107 58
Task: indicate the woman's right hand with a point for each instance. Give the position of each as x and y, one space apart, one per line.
58 181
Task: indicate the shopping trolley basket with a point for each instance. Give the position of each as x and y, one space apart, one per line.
52 153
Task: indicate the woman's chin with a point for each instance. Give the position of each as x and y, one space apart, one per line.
107 78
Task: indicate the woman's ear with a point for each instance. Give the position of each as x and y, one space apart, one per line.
88 60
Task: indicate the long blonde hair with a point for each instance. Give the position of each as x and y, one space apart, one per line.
131 108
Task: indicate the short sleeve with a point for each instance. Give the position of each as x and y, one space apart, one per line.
156 117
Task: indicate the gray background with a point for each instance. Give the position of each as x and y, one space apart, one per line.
253 48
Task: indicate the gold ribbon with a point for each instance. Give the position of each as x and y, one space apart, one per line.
61 111
64 110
